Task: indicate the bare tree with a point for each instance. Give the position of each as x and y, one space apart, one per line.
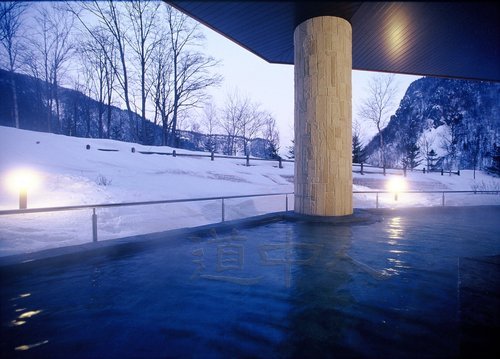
100 75
51 48
252 124
10 41
38 60
210 125
162 87
375 108
244 119
235 109
271 135
425 144
191 70
143 40
110 19
450 138
63 49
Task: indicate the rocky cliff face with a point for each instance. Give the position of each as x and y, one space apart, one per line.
458 119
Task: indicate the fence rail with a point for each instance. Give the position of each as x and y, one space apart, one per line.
365 169
211 155
125 204
221 198
377 193
280 160
93 207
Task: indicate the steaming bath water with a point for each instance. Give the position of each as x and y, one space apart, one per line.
416 282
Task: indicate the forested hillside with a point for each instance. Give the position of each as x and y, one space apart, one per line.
81 115
127 70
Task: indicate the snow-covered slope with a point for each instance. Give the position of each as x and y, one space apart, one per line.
70 174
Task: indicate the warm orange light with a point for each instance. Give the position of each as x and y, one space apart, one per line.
397 34
396 184
22 180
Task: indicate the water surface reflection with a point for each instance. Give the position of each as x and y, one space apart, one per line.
387 289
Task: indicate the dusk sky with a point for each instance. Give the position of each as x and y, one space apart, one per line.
271 85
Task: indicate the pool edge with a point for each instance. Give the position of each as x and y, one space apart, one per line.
139 242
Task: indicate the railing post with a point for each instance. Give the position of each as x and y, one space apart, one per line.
376 201
280 164
23 198
286 203
223 219
361 168
94 226
174 154
384 170
212 156
442 200
248 160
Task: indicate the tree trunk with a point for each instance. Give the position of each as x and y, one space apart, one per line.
15 111
56 98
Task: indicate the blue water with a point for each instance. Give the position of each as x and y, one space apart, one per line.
286 289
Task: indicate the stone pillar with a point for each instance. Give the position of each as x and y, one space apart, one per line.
323 123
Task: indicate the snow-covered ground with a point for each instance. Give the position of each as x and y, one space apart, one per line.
69 174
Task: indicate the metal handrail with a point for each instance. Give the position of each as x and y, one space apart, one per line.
436 191
143 203
396 193
221 198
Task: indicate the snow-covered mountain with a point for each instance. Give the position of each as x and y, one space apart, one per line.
458 119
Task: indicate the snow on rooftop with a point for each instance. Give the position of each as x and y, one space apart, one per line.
70 174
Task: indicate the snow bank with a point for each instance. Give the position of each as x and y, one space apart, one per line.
71 174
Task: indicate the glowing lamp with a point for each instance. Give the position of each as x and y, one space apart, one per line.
21 181
396 185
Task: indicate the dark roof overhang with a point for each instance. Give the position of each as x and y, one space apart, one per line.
443 39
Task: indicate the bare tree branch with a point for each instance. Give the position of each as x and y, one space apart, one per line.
375 108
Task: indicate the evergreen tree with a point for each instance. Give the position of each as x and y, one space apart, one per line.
495 160
411 157
291 151
210 144
358 152
272 150
431 159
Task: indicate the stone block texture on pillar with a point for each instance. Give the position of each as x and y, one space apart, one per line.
323 117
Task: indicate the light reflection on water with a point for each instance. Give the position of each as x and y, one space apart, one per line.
395 229
25 347
396 233
387 289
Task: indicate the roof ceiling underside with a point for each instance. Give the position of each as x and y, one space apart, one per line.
455 39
